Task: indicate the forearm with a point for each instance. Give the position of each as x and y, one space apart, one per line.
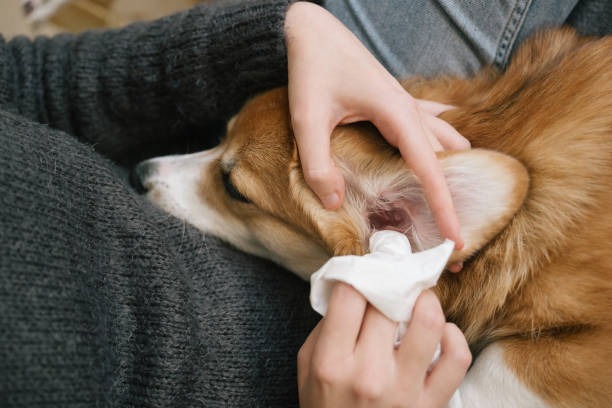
146 82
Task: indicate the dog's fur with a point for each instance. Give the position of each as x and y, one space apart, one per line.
535 294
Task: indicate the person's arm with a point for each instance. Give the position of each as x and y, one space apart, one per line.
124 89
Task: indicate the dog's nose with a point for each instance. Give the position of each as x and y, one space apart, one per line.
138 176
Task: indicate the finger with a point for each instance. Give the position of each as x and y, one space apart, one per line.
427 168
376 335
432 107
433 140
450 369
320 173
448 137
305 354
422 337
455 267
408 135
342 322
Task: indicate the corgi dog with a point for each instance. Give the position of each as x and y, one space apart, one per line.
533 198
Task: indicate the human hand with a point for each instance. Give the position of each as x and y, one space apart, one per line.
349 359
333 79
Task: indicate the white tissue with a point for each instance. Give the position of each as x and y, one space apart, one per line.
390 277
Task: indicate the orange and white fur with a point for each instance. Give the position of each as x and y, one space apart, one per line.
533 197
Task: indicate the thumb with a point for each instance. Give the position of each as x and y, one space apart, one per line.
320 173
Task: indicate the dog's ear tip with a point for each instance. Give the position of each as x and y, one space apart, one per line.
488 188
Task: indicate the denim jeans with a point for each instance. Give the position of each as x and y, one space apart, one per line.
429 37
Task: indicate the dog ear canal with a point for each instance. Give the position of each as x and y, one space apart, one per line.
404 210
389 216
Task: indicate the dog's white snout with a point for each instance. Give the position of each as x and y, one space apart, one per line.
179 170
145 173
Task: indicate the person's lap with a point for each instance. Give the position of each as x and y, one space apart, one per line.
104 295
429 37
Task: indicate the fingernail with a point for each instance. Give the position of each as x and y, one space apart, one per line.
331 200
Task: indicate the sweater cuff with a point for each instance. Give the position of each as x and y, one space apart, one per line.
227 53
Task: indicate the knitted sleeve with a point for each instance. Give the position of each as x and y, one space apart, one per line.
125 89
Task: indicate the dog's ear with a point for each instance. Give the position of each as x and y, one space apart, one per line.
487 189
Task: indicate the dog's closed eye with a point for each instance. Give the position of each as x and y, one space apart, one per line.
231 189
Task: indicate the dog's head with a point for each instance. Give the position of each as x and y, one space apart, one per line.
250 191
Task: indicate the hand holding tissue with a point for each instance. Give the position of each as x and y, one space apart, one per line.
390 277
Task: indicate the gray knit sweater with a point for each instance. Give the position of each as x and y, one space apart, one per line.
105 300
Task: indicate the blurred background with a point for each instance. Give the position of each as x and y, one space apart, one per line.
48 17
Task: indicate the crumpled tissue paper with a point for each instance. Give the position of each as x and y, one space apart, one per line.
390 277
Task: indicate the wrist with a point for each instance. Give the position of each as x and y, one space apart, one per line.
297 13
